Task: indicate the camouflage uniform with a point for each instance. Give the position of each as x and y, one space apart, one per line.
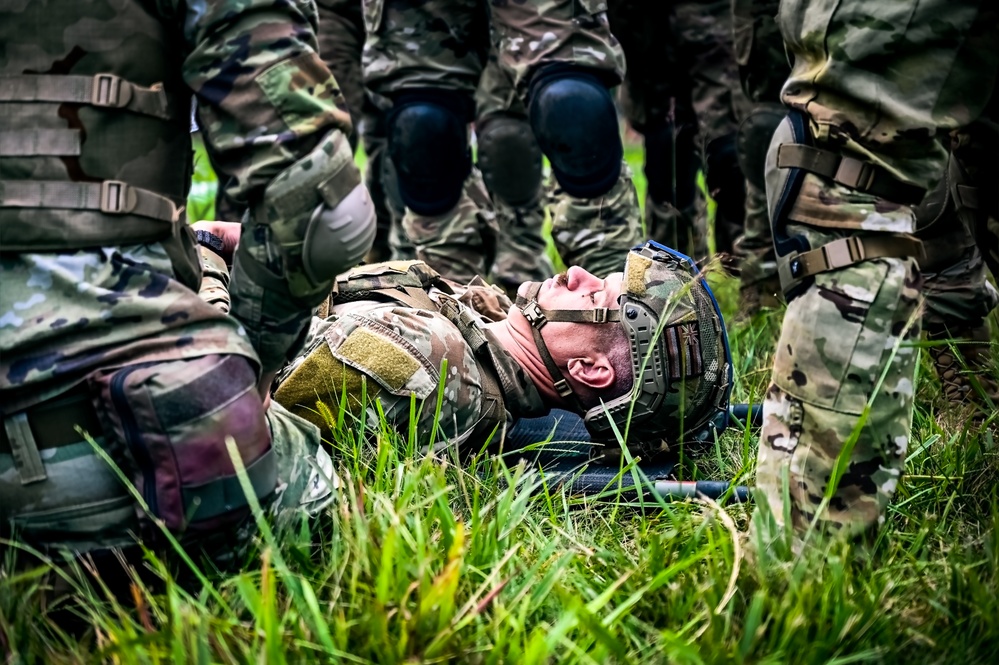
444 45
682 80
882 83
763 68
372 350
703 34
521 251
99 305
656 101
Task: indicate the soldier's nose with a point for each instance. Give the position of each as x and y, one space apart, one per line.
578 279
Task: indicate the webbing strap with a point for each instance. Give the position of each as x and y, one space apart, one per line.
24 449
225 495
40 143
112 197
538 317
848 171
844 252
101 90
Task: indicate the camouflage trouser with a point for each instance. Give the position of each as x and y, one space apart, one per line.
849 331
703 34
165 426
763 68
444 44
521 251
656 101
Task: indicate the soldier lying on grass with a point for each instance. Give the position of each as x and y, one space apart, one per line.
643 352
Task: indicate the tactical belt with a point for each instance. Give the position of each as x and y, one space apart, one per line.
100 90
796 267
51 424
849 172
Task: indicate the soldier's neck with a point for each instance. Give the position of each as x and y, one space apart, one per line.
520 345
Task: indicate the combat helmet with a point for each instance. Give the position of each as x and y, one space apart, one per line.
681 363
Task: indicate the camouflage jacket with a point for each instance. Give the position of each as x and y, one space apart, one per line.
370 359
264 100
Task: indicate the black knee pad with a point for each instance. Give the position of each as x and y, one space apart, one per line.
428 145
575 122
510 160
671 163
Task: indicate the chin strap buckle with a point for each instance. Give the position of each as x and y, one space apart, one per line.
532 312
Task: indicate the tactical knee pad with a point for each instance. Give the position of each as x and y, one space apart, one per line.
428 145
575 122
510 160
671 164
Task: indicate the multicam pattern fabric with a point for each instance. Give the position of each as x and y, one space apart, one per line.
596 234
264 101
837 340
446 44
845 341
375 359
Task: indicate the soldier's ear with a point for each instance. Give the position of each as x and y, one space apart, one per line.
594 371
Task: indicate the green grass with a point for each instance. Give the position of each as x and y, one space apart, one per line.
424 560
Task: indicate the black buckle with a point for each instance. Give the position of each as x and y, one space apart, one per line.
532 312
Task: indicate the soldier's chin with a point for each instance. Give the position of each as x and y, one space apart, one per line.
526 288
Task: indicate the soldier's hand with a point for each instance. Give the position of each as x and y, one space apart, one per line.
226 232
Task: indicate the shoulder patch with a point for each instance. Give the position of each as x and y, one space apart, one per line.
379 357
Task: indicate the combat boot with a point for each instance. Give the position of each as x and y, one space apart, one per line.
964 367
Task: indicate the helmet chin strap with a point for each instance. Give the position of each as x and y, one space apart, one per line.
538 317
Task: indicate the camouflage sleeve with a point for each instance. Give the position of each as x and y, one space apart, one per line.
264 97
265 102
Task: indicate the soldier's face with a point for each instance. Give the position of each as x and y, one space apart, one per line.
578 289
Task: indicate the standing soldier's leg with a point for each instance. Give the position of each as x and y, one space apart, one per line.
423 61
958 296
510 161
655 100
704 35
562 59
843 174
763 68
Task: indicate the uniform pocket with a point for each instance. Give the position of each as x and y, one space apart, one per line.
836 333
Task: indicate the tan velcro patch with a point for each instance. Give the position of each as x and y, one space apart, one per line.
634 275
321 378
386 362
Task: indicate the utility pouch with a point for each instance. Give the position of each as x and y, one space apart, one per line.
172 420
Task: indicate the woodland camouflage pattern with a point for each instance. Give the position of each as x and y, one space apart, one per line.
64 314
445 44
839 336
